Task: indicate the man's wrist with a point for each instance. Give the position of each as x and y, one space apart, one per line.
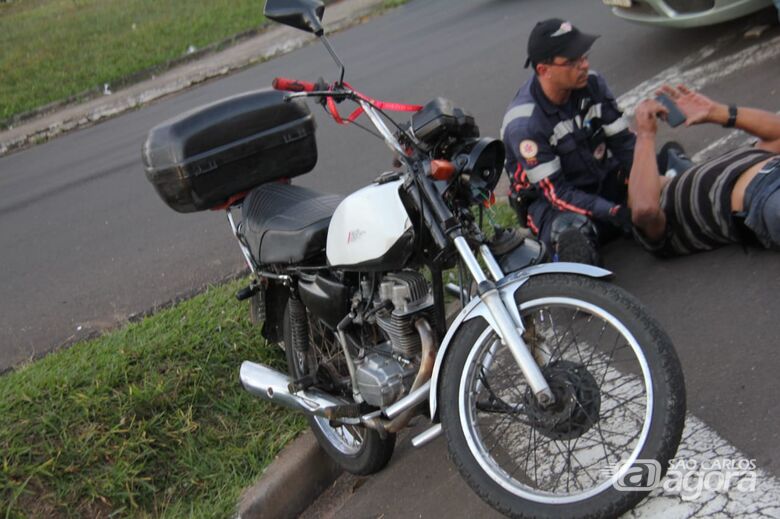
719 114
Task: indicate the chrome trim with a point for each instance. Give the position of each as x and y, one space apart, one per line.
244 248
487 363
380 125
490 261
510 335
456 290
414 398
427 435
560 267
423 374
469 259
270 275
273 386
504 322
507 286
350 366
475 308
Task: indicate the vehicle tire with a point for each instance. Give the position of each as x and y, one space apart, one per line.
620 396
356 449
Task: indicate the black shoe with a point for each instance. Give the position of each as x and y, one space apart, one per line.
574 246
672 158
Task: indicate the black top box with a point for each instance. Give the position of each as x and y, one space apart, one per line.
202 158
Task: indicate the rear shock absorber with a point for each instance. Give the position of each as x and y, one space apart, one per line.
299 331
299 325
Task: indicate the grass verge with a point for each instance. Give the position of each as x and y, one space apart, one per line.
54 49
147 421
67 50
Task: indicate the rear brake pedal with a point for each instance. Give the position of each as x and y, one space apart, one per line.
247 292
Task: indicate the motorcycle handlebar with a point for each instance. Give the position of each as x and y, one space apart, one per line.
293 85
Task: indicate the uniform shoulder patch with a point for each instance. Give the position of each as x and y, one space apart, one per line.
528 149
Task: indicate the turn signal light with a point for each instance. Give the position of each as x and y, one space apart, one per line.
442 169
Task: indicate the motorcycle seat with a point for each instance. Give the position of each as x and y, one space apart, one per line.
286 224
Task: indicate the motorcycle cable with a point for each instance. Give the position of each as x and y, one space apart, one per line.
379 106
362 127
342 90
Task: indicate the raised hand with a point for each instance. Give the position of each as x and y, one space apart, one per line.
696 107
646 117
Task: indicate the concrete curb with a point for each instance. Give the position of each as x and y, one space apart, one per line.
273 42
300 473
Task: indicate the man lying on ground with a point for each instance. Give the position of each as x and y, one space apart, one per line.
732 198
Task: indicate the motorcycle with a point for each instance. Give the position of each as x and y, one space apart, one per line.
553 388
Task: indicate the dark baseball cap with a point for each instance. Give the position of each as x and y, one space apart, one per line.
556 37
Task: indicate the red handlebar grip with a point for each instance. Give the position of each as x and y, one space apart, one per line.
293 85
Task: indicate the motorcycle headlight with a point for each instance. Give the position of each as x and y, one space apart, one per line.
485 164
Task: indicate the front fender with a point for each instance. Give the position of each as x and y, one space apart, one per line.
507 286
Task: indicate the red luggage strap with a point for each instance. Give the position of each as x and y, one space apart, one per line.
382 105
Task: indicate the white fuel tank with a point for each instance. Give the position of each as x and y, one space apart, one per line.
370 229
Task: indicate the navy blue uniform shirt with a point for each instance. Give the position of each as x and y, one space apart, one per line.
563 155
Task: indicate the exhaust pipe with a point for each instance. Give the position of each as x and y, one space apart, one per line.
273 386
402 418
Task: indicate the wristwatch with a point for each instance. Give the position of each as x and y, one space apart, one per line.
732 117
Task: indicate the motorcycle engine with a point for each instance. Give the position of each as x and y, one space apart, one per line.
410 295
384 374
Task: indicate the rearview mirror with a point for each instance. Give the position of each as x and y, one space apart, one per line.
301 14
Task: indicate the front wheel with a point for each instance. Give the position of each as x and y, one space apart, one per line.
620 403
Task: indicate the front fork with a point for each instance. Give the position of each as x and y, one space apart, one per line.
506 316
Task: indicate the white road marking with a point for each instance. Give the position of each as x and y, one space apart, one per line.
702 447
671 75
733 140
696 75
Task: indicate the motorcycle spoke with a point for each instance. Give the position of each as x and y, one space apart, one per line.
509 423
601 335
611 355
531 432
601 434
557 480
510 381
328 362
604 443
608 415
574 337
582 466
558 340
539 455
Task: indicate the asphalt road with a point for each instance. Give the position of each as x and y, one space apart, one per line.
85 242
